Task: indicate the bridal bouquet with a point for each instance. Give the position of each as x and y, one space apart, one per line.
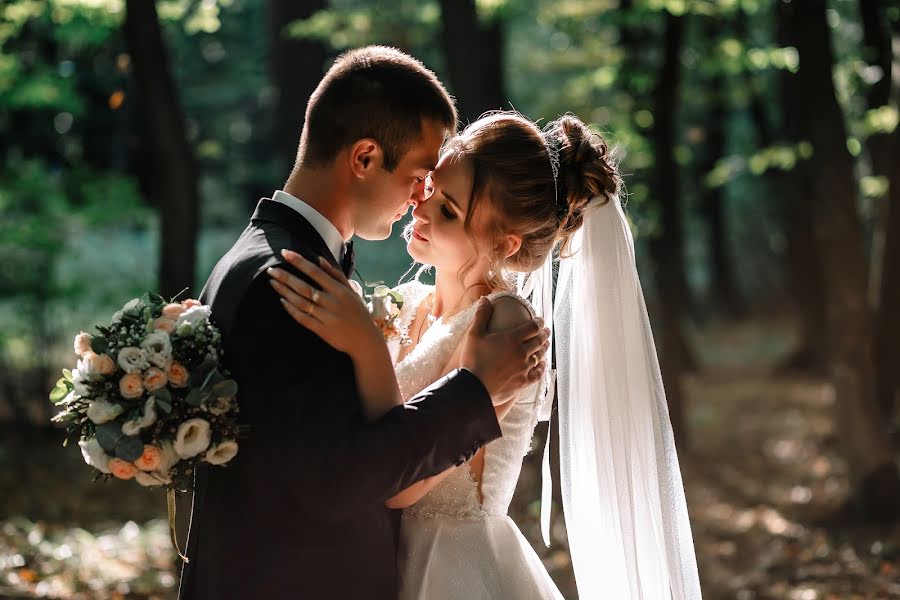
149 399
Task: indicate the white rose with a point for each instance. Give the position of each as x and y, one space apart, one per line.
94 455
134 426
158 347
133 360
101 411
191 318
151 479
80 389
380 307
222 453
193 437
168 457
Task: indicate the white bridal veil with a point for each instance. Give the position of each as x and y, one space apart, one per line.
623 499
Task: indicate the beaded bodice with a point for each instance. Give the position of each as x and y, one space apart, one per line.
457 494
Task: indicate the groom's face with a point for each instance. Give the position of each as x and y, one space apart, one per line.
390 192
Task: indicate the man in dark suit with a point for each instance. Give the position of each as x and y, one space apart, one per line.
299 513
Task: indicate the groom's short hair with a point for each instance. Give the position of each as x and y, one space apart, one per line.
373 92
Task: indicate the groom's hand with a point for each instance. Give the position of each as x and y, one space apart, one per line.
505 361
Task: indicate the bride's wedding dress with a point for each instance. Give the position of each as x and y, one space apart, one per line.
453 546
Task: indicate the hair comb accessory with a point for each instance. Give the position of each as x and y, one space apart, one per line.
553 144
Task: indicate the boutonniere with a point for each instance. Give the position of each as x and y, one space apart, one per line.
384 305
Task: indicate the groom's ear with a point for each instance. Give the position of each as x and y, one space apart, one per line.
365 157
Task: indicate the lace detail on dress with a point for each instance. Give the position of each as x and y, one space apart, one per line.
457 495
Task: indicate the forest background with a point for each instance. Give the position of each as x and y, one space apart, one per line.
761 155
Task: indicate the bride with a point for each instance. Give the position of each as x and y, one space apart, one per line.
505 203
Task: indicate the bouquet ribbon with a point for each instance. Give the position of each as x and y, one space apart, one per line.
170 500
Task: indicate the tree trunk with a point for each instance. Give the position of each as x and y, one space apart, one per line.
806 279
863 433
878 54
887 342
474 53
723 287
296 67
668 248
170 156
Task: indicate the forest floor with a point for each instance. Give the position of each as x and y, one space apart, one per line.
763 476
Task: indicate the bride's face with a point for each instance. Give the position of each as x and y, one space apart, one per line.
438 235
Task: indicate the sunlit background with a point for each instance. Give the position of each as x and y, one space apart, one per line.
761 155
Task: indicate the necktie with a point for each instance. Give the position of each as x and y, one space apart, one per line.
349 260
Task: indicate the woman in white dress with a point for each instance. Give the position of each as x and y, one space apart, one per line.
503 199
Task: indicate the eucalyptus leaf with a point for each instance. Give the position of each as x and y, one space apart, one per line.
398 299
164 405
108 436
58 393
212 380
163 394
225 389
130 448
99 345
194 397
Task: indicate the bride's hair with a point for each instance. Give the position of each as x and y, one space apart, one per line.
514 177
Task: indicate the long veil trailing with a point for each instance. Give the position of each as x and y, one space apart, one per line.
623 498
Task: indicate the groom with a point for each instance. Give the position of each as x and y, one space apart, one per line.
299 513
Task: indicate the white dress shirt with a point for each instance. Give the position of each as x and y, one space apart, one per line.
333 238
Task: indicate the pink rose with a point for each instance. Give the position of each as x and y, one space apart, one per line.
121 469
150 459
154 379
190 303
173 310
178 375
131 386
82 343
164 324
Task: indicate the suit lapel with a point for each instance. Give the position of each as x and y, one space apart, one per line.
301 230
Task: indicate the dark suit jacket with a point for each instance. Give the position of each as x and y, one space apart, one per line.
299 512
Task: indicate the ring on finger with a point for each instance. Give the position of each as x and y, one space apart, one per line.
315 297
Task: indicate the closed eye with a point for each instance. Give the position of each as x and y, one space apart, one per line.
448 214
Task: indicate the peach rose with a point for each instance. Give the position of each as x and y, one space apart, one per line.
173 310
164 324
91 365
190 303
154 379
131 385
121 469
82 343
105 364
178 375
150 459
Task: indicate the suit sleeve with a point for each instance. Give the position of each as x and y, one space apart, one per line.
319 436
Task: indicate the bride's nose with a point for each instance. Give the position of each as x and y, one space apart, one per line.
420 210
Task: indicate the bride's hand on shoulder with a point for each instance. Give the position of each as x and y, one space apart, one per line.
335 312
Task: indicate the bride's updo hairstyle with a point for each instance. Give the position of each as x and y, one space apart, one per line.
513 176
